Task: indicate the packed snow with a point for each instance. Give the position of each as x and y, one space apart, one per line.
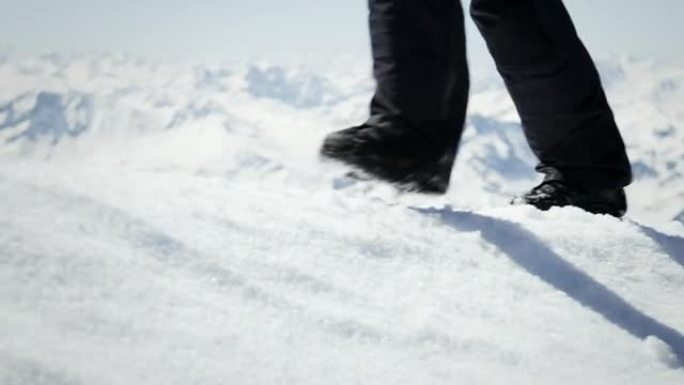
173 224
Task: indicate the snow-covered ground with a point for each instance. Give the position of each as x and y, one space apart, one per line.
170 224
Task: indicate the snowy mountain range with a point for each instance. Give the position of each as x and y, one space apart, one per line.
57 101
167 223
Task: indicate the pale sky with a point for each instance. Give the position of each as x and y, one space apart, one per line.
275 29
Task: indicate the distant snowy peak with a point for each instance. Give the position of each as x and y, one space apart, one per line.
296 88
52 116
655 88
648 99
647 75
680 217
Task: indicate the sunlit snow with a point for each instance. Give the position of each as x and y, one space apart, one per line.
168 224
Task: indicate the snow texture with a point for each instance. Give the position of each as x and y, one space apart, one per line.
166 224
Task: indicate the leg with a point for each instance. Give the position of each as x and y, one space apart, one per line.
556 90
419 64
418 109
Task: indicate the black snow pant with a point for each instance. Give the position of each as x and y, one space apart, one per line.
420 67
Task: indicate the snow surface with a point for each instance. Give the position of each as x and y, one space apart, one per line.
168 224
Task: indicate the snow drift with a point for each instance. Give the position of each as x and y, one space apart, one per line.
166 224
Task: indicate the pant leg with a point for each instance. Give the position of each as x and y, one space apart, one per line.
556 90
420 68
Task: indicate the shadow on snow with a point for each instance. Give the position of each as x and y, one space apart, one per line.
672 245
530 253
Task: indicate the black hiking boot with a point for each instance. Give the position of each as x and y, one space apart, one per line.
408 163
557 193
